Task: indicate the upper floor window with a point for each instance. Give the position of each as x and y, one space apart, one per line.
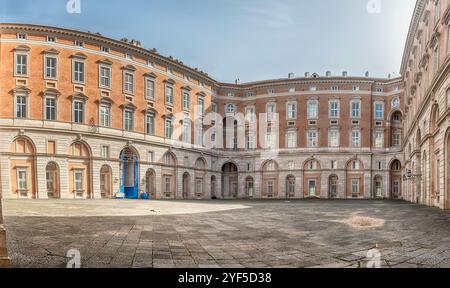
78 112
313 109
21 64
128 120
356 139
200 106
79 43
356 88
51 39
105 115
21 106
291 139
105 76
312 139
292 110
333 138
271 111
105 49
168 128
169 94
334 109
356 109
22 36
379 139
186 100
436 59
149 88
214 107
250 114
128 82
396 102
51 66
312 88
50 108
334 88
78 71
231 108
379 110
150 123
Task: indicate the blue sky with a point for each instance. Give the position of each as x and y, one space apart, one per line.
245 39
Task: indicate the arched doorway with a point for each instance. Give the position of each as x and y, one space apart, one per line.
52 179
150 185
290 186
230 177
200 172
186 185
249 187
270 179
169 172
106 182
312 175
378 187
396 180
79 166
355 179
129 178
333 187
23 170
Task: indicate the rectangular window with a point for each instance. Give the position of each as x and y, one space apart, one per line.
291 140
105 49
356 139
312 139
168 129
51 67
51 39
78 181
396 141
21 64
22 36
21 106
129 120
379 111
79 43
201 107
355 187
129 83
271 110
150 156
356 109
150 124
312 110
186 131
105 115
379 139
334 109
169 95
78 112
149 89
250 141
167 184
333 164
105 77
51 147
50 109
105 152
334 138
270 187
22 179
78 71
292 111
250 114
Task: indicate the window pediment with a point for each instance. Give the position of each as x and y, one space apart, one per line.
150 75
169 81
79 96
79 56
186 88
51 51
129 68
128 105
21 89
105 62
51 92
22 48
105 100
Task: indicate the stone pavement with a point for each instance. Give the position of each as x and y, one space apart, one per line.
231 234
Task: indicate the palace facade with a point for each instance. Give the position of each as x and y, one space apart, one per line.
87 117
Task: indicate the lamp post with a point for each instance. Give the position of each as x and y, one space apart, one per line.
4 260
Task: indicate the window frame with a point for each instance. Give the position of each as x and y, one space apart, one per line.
46 67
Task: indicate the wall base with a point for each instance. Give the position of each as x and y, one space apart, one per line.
5 262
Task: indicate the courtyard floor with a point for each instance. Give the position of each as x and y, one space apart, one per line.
231 234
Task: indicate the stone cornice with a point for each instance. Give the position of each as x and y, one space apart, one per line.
417 15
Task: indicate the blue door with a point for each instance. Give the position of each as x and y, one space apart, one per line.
129 180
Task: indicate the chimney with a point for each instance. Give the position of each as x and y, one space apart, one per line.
237 81
345 74
328 73
291 76
306 74
367 74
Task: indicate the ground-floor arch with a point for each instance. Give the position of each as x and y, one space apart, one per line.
129 178
230 178
395 171
333 186
150 183
290 186
106 182
249 187
52 180
186 185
